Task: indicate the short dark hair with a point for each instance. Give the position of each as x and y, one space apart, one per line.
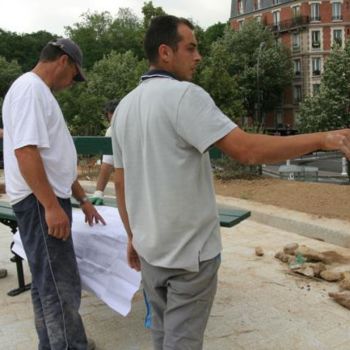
110 106
51 53
163 30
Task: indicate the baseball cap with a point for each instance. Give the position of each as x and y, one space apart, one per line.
70 48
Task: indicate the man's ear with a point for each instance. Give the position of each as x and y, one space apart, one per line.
63 60
165 53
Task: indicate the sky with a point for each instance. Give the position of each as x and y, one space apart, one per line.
27 16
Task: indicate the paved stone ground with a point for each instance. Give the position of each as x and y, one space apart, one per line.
259 305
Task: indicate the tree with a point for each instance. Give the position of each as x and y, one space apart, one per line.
99 33
243 58
330 108
24 48
149 12
9 71
91 34
207 37
110 78
116 75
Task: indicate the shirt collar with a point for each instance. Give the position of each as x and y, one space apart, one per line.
157 73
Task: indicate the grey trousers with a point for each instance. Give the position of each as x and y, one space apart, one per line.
181 302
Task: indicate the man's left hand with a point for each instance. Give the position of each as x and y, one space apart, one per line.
91 214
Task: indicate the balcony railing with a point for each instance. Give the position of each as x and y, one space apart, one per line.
315 18
337 18
290 24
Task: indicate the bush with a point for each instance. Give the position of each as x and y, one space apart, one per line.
227 168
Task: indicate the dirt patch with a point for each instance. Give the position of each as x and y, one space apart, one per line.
328 200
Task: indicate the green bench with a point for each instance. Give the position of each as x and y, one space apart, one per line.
98 145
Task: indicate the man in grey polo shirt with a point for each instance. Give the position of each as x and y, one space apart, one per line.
164 182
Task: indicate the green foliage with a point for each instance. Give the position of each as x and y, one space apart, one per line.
9 71
227 168
329 109
225 91
209 36
149 12
99 33
24 48
82 111
115 75
110 78
239 59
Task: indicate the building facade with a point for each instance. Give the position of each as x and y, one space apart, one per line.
309 28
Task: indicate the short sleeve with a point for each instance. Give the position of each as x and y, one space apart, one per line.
108 159
29 121
199 121
117 153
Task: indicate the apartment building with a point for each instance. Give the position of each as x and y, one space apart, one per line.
309 28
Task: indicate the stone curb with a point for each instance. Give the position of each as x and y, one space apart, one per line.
329 230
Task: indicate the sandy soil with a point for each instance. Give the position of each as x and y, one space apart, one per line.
329 200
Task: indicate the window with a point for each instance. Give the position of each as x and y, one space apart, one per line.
276 18
338 37
316 66
316 39
315 12
297 67
275 2
296 41
296 11
240 7
297 93
257 4
240 24
336 11
279 119
315 89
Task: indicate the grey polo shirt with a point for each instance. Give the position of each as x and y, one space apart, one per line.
160 138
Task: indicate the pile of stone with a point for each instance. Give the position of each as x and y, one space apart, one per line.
323 265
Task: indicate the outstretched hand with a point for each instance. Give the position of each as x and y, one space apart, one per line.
338 140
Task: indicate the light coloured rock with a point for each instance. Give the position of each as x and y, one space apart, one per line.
310 254
345 282
317 267
332 256
331 276
290 248
259 251
342 298
306 271
282 256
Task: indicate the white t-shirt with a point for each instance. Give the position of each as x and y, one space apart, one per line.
108 158
160 138
32 116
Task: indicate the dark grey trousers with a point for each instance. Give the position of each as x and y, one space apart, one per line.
181 302
56 288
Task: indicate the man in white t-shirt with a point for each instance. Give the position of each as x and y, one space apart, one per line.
107 165
41 175
164 185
